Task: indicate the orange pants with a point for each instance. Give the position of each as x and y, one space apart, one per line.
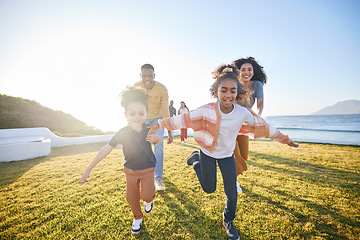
241 153
134 180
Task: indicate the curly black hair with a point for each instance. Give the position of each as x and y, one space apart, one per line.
133 94
227 71
259 73
147 66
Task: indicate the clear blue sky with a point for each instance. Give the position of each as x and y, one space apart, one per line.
77 56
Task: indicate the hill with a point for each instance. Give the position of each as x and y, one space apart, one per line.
17 112
344 107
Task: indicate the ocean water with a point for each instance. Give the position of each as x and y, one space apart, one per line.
334 129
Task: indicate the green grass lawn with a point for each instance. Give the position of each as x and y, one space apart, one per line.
312 192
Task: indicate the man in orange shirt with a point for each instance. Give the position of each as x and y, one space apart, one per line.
158 104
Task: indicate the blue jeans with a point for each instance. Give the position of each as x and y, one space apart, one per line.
206 173
158 148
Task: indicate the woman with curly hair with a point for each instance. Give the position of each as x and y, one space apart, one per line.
252 77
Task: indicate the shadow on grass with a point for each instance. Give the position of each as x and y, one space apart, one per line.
322 211
11 171
314 173
187 218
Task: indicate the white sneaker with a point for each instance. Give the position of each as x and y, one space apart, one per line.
159 185
136 227
185 140
148 207
239 190
182 142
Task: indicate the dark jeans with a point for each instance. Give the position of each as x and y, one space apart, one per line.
206 173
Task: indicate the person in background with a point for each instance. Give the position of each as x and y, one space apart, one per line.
216 126
172 110
182 110
139 158
252 77
158 103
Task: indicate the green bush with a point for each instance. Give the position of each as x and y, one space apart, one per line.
22 113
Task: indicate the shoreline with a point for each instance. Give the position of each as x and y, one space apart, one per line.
332 142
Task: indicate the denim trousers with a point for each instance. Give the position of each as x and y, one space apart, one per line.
158 148
206 173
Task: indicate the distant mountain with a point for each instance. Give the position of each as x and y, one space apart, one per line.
22 113
344 107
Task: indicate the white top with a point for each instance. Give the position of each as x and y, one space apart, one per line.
229 128
183 110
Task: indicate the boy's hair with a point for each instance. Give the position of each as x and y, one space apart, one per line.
227 71
147 66
133 94
259 73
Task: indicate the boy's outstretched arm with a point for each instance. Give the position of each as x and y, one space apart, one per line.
100 156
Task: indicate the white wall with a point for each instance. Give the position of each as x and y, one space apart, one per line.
56 141
26 143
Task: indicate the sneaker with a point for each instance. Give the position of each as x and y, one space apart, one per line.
239 189
136 227
148 207
194 157
231 231
159 185
182 142
186 140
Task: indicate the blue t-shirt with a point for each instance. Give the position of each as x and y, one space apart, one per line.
137 151
256 92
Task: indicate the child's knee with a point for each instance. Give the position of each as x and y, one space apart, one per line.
132 197
148 197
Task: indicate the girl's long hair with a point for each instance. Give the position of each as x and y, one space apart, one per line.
184 106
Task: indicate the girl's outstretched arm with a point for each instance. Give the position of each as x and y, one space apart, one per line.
100 156
259 128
